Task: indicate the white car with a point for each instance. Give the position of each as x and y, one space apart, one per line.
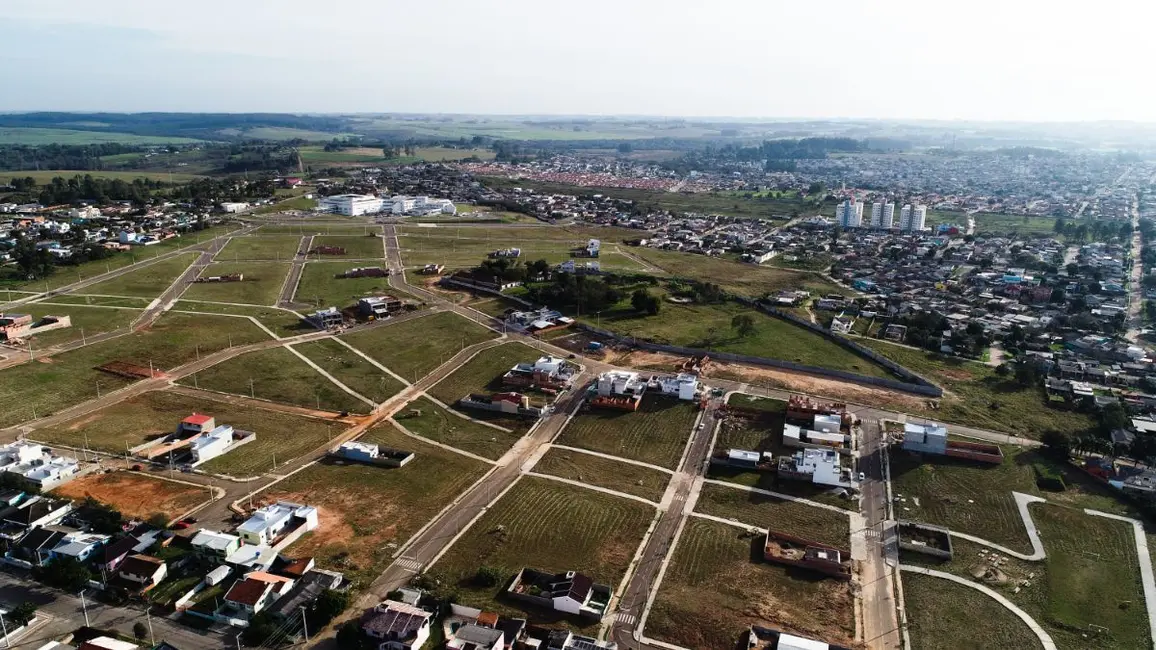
862 477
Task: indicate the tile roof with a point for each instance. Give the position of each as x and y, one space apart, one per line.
247 592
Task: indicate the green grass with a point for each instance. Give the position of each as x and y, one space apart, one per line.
424 418
483 373
548 526
351 369
973 388
281 322
467 253
261 286
603 472
349 228
415 347
45 386
813 523
148 282
99 301
321 287
296 203
277 375
260 248
38 136
656 433
86 322
717 585
362 248
941 613
750 280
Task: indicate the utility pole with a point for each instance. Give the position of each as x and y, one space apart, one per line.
304 625
149 618
4 628
84 605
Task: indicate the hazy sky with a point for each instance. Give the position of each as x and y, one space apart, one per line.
1000 60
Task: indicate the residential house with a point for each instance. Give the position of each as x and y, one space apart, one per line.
269 522
113 554
80 546
250 595
107 643
212 444
397 625
214 544
143 570
36 546
570 592
476 637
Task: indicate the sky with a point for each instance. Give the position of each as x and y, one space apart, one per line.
1023 60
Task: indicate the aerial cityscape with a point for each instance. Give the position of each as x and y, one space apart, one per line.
288 360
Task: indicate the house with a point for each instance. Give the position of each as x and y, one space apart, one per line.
270 521
250 595
684 386
550 373
143 570
510 403
113 554
212 444
397 625
33 513
325 319
37 464
36 546
196 424
107 643
213 544
570 592
304 591
567 640
218 575
249 557
79 545
378 306
593 247
819 466
476 637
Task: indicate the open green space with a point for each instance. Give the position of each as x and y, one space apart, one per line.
415 347
98 301
332 224
750 280
86 322
717 585
811 522
941 613
976 396
46 385
549 526
366 512
260 248
483 373
467 253
38 136
148 282
351 369
656 433
261 285
362 248
277 375
603 472
320 286
424 418
282 322
301 203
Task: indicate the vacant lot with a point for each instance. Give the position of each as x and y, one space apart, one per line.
483 373
547 526
351 369
744 279
367 512
817 524
980 398
105 301
424 418
312 227
249 248
282 322
136 495
603 472
364 247
415 347
941 613
86 322
321 287
148 282
717 585
656 433
261 285
278 375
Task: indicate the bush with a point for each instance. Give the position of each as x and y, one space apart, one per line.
488 576
140 630
1048 478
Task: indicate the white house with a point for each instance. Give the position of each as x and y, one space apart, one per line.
143 570
220 545
80 545
250 595
267 523
684 385
37 464
363 451
212 444
593 247
127 237
234 208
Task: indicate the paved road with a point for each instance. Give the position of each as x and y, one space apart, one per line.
1136 295
179 286
877 573
294 277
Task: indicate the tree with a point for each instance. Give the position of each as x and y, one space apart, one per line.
66 573
103 519
1059 227
488 576
644 301
158 520
744 324
350 636
140 630
21 615
1057 444
1113 417
261 628
1143 448
328 606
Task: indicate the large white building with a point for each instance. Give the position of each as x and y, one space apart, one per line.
913 217
352 205
37 464
849 214
882 215
267 523
212 444
421 205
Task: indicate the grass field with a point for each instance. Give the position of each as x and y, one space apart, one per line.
817 524
941 613
415 347
973 390
86 322
300 203
261 286
603 472
283 323
148 282
44 386
424 418
351 369
656 433
496 236
717 585
276 374
320 287
136 495
459 253
37 136
260 248
366 512
313 227
750 280
99 301
548 526
483 372
362 248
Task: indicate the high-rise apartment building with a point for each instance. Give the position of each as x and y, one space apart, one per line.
913 217
849 214
882 215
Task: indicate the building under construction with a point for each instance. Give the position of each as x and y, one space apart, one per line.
782 548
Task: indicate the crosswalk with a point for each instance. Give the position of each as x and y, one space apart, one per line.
625 619
408 564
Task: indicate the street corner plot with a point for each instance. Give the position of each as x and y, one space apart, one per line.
367 512
656 433
718 584
941 612
545 527
604 472
424 418
415 347
149 281
249 283
260 247
137 495
342 284
351 369
797 518
365 247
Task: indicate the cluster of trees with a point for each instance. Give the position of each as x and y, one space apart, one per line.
924 329
584 293
100 190
259 156
266 631
1096 230
1098 440
61 156
644 301
512 270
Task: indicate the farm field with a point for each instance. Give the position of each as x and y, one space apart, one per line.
136 495
362 247
148 282
548 526
282 322
713 589
320 287
277 375
750 508
360 540
415 347
260 248
656 433
940 613
86 322
974 389
38 136
42 387
603 472
351 369
261 286
428 420
483 372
